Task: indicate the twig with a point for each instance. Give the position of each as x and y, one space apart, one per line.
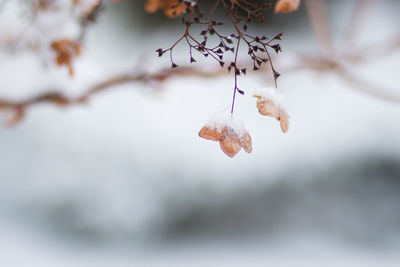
18 108
367 87
318 16
360 14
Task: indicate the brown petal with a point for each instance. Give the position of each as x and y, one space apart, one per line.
152 6
230 145
286 6
174 8
210 133
267 107
65 50
284 120
246 142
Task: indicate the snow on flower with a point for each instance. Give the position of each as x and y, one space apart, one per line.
229 132
269 103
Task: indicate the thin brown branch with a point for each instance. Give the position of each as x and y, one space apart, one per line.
376 51
316 10
362 10
368 87
18 108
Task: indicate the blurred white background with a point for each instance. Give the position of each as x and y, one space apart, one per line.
125 180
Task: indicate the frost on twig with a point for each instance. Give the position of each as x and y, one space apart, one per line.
229 132
269 103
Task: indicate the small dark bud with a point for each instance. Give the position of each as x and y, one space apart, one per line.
278 36
160 52
277 48
276 74
240 91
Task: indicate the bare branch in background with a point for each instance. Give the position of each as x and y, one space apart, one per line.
362 10
329 60
379 50
316 10
19 108
314 63
368 87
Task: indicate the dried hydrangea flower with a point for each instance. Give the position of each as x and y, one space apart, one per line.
286 6
269 104
171 8
66 50
230 134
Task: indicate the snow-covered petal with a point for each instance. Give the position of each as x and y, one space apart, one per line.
269 103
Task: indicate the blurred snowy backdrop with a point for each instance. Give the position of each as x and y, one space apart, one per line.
126 181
